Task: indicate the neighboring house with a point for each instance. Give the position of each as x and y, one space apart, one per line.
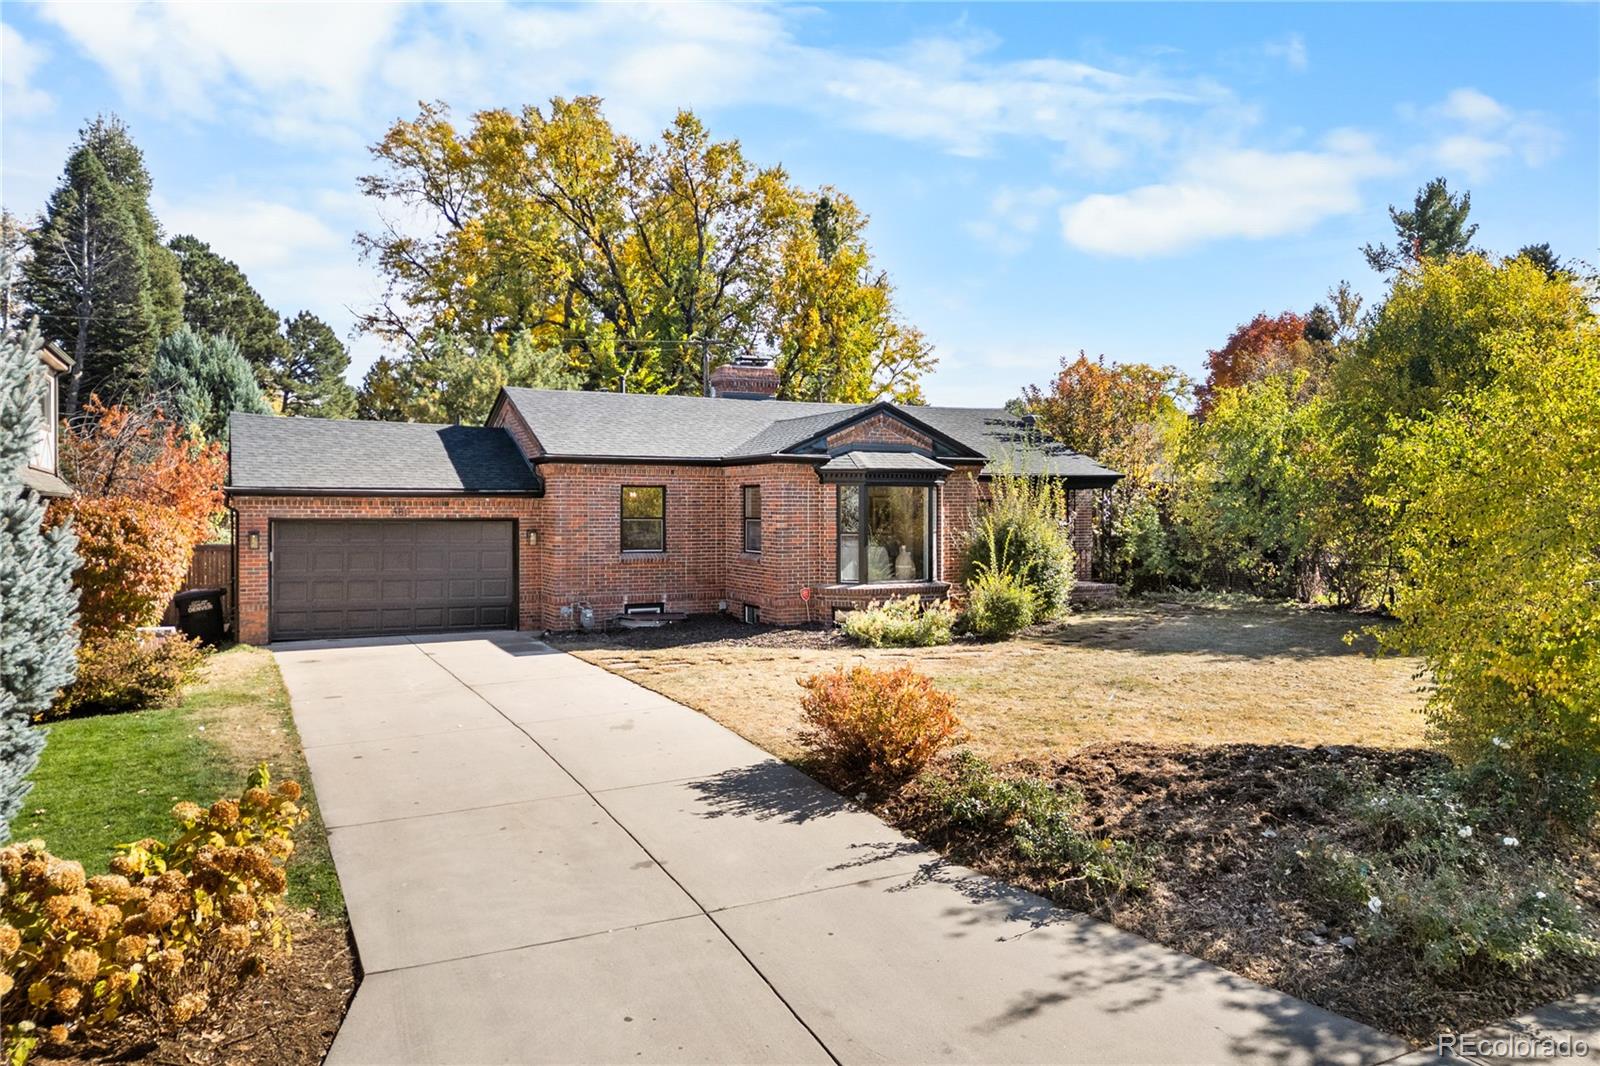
42 474
572 508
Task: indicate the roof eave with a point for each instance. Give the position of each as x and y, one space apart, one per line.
350 490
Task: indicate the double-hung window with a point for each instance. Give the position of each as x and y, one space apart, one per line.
644 518
885 533
752 518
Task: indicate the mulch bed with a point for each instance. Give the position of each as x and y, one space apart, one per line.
1217 821
287 1018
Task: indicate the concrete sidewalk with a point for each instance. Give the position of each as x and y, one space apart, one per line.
546 863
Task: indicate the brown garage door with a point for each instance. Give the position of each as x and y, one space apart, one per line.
355 578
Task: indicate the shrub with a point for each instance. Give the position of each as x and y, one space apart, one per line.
125 673
173 928
1426 872
1023 532
903 623
132 560
998 606
875 728
1040 822
146 496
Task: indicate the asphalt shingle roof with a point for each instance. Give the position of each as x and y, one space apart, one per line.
884 462
269 452
642 426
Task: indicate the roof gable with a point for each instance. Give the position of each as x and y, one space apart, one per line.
623 426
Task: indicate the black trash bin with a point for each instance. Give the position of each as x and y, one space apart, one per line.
200 614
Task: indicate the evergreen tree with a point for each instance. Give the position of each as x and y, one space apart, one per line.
112 144
38 605
89 281
13 254
202 380
311 378
219 299
1542 256
1435 228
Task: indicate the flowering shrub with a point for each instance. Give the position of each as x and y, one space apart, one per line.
998 606
875 728
1040 821
903 623
123 673
1443 880
174 927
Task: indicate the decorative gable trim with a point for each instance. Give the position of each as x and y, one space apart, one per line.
884 426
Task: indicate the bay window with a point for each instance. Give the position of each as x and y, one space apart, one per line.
885 533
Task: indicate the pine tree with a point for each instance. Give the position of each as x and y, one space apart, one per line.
112 143
311 379
38 605
219 299
200 381
1435 228
89 282
1542 256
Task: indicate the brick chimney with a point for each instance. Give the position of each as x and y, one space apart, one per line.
746 378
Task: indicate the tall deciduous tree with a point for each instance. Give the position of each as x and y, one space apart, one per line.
444 381
89 281
1127 415
1261 348
1435 228
218 300
310 380
833 317
38 631
201 380
648 261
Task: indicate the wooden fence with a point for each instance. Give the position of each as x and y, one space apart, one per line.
211 567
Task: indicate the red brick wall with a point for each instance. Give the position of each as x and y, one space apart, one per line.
579 559
880 429
255 514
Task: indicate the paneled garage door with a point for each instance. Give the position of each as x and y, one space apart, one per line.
357 578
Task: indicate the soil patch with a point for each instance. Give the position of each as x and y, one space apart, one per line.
1219 823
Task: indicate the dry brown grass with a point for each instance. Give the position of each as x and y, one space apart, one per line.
1147 672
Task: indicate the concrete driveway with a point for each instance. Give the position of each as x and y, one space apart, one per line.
546 863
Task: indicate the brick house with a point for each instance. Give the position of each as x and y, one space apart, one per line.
574 508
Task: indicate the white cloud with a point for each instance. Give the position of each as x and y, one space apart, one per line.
1474 133
1233 193
19 60
296 257
1291 49
300 65
259 63
1013 217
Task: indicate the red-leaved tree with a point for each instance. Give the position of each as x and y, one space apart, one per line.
1260 348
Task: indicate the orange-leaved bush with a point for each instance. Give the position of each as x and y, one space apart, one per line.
147 494
875 729
173 927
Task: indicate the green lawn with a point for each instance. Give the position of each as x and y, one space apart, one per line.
112 779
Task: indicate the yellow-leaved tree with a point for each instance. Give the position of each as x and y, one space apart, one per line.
646 262
1494 498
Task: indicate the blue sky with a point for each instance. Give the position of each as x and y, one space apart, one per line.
1132 180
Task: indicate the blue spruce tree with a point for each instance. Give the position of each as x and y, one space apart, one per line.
38 605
